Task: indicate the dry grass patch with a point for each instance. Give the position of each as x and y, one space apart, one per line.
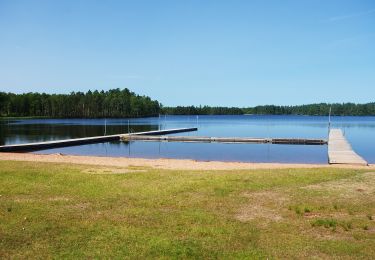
112 170
79 206
266 205
349 187
31 198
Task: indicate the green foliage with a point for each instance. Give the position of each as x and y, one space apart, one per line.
205 110
124 103
333 223
301 210
298 211
346 225
327 223
111 103
345 109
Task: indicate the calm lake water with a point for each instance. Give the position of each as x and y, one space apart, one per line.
360 131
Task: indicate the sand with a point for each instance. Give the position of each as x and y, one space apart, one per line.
172 164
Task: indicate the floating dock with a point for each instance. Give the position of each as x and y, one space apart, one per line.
86 140
204 139
340 151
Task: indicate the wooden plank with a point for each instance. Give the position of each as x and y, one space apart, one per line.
206 139
340 151
85 140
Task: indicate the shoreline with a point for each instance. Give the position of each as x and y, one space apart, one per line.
163 163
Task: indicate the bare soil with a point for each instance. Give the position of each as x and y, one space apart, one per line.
172 164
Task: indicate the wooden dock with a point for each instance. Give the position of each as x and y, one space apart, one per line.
340 151
204 139
86 140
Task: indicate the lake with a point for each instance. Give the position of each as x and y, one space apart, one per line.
360 132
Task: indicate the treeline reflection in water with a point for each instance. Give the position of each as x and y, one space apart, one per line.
20 133
360 131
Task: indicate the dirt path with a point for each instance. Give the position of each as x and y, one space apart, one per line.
159 163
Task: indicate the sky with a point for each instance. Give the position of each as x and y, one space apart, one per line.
184 52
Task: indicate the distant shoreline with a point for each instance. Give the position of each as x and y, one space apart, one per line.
116 103
77 118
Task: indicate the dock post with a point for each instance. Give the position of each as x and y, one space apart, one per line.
329 120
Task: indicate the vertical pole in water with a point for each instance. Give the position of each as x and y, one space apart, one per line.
129 136
159 122
329 119
342 124
197 120
105 126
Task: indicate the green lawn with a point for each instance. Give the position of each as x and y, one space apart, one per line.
69 211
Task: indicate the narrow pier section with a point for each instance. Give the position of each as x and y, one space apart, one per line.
86 140
340 151
204 139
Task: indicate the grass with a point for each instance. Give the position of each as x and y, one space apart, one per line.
327 223
66 211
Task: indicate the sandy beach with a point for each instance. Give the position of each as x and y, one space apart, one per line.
172 164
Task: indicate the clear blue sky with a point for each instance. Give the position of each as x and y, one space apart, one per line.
230 53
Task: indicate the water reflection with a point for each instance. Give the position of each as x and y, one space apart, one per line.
26 133
359 130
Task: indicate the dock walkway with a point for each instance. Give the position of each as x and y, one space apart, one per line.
340 151
86 140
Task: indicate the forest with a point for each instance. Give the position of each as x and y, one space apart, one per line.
205 110
345 109
111 103
338 109
124 103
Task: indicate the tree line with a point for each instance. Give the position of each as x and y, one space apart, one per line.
344 109
111 103
199 110
124 103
